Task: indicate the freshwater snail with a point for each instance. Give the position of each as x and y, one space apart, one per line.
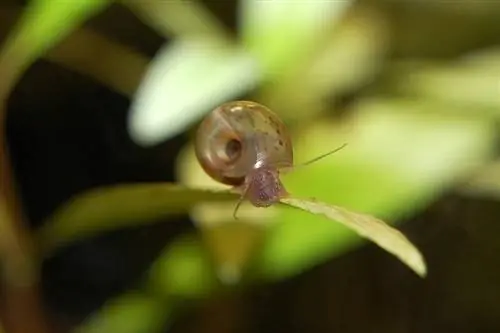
246 145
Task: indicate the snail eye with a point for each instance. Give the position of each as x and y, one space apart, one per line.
233 150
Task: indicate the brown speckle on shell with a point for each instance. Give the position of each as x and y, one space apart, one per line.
243 144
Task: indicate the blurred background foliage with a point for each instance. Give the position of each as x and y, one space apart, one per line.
99 94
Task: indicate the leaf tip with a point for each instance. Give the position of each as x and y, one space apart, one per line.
368 227
418 265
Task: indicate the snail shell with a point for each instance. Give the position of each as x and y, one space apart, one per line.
244 144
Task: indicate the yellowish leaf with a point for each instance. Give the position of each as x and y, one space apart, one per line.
115 207
368 227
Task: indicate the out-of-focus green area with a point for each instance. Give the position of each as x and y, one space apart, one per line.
413 88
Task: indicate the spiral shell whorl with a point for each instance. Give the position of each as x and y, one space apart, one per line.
238 137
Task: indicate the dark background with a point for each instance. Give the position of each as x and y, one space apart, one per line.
67 134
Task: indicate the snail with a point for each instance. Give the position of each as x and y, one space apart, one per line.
245 145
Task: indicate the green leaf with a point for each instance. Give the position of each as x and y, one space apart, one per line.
267 27
178 18
184 269
461 84
43 24
347 59
133 312
186 80
470 83
399 158
368 227
116 207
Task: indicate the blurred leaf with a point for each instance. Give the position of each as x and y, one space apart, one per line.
348 58
129 313
232 245
458 85
486 183
470 83
43 24
184 269
116 207
103 59
178 18
281 34
186 80
368 227
351 56
400 157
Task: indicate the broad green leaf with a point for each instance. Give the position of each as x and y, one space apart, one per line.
351 56
133 312
43 24
186 80
116 207
281 34
470 83
474 87
347 59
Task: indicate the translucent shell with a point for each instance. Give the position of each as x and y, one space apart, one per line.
243 143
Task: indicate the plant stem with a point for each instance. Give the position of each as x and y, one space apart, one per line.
21 307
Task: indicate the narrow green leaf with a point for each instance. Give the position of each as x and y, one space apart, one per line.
43 24
186 80
368 227
133 312
178 18
116 207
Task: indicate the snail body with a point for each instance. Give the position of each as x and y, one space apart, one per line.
244 144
